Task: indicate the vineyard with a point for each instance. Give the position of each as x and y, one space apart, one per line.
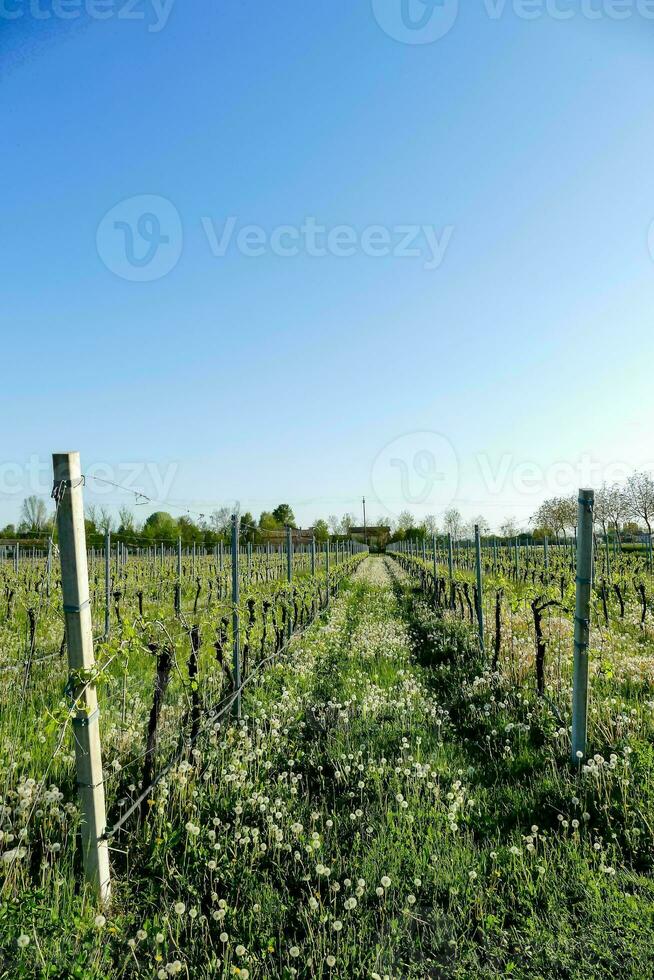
320 763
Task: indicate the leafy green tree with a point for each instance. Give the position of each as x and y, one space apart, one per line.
321 530
189 531
268 523
248 529
284 515
161 526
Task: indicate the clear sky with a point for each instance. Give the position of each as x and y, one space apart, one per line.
201 363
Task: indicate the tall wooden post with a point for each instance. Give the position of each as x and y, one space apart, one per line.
480 587
582 623
107 584
79 635
450 568
289 554
236 597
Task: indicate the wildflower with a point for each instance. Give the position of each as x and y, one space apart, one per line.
330 961
141 934
23 940
386 882
240 950
294 951
100 921
337 925
224 937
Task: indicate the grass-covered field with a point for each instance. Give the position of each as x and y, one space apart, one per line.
387 807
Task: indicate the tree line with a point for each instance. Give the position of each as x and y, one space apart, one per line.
622 511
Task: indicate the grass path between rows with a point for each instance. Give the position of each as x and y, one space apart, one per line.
385 809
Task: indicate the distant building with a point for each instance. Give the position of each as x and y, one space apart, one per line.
374 533
277 536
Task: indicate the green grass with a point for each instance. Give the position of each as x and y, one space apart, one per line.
380 748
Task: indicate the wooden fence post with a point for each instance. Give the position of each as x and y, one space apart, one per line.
236 598
480 587
582 623
67 492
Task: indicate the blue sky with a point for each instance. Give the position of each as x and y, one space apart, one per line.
525 146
